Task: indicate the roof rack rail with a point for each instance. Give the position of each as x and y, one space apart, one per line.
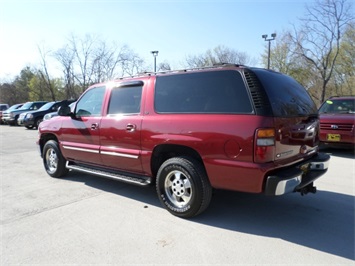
149 73
227 64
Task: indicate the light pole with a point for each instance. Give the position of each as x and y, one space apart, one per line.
155 54
273 35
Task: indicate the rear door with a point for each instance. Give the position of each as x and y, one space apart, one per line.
295 116
120 129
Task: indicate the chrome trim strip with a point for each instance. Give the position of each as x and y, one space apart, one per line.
119 154
109 175
80 149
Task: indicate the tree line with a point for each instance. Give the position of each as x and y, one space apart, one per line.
319 53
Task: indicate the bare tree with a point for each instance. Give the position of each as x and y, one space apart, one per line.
83 49
164 66
219 54
318 39
132 63
44 74
65 56
90 60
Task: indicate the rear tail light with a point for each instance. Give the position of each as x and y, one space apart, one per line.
264 145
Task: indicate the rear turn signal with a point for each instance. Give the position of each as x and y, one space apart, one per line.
264 145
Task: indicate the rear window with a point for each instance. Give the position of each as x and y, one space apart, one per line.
204 92
287 97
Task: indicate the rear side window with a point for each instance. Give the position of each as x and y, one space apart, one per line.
125 100
204 92
287 97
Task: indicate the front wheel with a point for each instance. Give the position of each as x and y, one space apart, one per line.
183 187
53 160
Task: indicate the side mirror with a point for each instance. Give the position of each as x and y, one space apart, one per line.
64 111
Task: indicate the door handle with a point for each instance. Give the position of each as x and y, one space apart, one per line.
131 127
94 126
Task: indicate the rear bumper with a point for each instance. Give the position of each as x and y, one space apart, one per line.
298 176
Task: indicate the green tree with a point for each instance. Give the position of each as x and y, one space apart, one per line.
344 78
319 37
38 88
21 85
283 59
8 93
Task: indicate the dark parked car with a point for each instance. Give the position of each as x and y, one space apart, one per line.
12 116
54 114
33 118
188 132
337 119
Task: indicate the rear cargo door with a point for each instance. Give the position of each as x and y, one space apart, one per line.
295 116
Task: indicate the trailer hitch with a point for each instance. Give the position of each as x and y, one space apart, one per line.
307 189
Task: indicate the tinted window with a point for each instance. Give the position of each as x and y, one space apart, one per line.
47 106
205 92
91 102
287 97
125 100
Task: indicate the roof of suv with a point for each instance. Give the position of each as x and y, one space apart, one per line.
198 69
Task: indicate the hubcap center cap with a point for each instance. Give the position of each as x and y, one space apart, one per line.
178 188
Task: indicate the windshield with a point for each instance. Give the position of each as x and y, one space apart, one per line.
46 106
337 106
14 107
26 106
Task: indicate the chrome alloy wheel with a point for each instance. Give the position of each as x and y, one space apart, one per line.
51 160
178 188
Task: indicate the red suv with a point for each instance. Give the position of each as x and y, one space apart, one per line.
337 118
225 127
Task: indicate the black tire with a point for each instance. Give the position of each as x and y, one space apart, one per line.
29 127
13 123
53 160
37 122
183 187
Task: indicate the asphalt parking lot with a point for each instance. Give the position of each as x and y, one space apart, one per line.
87 220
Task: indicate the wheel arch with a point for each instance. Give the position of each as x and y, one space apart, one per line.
163 152
44 138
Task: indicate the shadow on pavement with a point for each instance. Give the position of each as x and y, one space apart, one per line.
324 221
